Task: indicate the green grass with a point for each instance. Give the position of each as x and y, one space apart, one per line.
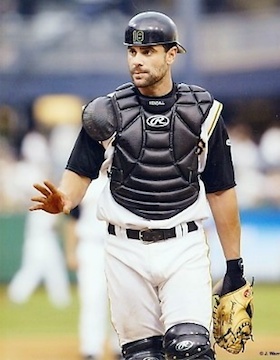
39 317
267 309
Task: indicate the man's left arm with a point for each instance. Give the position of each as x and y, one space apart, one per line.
219 181
224 208
233 310
233 301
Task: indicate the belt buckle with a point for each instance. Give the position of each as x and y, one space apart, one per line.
141 237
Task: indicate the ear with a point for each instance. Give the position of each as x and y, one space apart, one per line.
171 55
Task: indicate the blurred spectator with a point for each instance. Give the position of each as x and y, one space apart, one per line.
11 129
34 165
270 157
95 8
61 141
245 154
215 6
12 126
8 162
7 6
60 115
270 148
42 256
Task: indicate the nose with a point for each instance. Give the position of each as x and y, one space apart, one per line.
137 59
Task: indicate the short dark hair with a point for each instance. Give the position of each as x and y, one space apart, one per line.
167 47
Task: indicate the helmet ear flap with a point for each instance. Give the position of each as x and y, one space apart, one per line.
152 28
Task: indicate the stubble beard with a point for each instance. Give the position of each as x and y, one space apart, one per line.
149 81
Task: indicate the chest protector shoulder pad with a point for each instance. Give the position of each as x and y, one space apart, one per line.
155 166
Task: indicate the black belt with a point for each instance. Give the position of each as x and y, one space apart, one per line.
152 234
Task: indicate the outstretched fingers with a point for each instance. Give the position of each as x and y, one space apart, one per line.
42 189
36 207
46 190
40 203
39 199
52 188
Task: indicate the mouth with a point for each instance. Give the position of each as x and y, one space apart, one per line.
138 72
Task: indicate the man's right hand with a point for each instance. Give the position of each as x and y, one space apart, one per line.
52 200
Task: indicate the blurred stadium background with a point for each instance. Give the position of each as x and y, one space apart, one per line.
56 55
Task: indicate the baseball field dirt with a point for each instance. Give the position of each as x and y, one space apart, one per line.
62 347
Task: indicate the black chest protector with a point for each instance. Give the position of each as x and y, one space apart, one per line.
154 172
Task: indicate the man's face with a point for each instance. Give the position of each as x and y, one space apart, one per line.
149 65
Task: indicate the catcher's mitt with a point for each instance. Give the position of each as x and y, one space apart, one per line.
232 319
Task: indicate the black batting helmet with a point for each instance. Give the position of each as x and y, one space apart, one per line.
152 28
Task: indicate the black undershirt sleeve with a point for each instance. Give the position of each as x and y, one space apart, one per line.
218 174
86 157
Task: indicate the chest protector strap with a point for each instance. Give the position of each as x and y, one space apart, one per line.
155 166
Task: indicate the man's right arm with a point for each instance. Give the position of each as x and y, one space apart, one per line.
83 165
74 186
67 196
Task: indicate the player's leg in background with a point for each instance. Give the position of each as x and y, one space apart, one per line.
93 320
55 273
24 282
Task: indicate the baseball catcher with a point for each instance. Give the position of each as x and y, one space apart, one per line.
233 309
164 147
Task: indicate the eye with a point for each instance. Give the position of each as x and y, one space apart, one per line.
131 51
147 51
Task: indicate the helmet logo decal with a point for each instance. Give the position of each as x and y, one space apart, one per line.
138 36
158 121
